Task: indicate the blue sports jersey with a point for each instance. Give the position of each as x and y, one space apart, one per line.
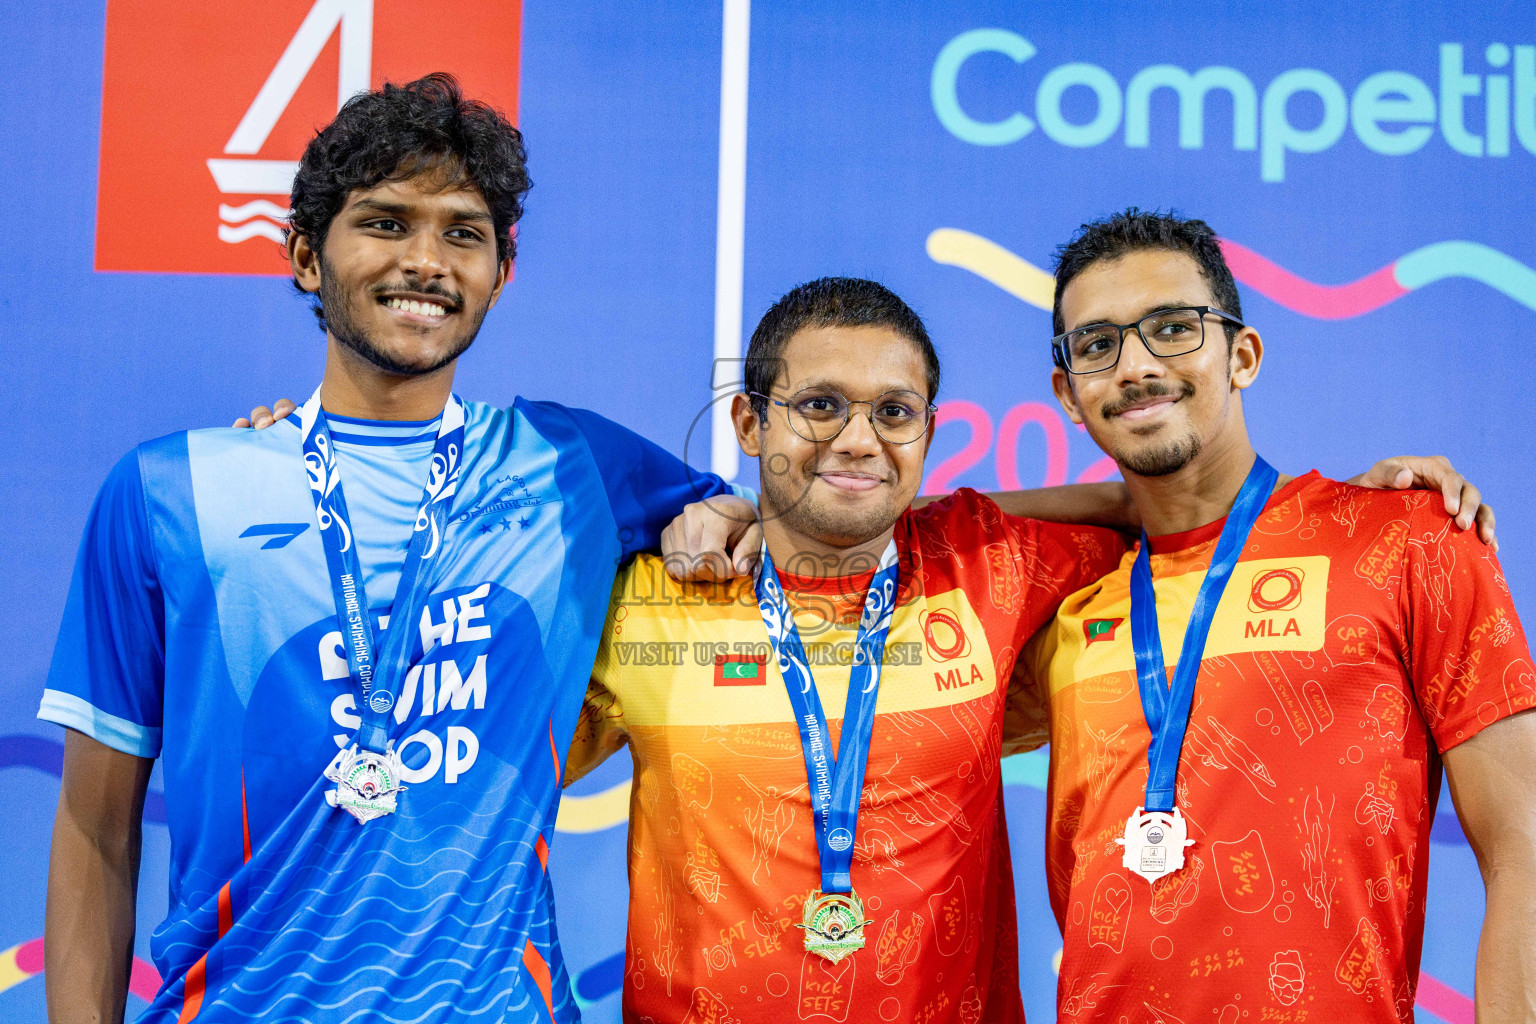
200 628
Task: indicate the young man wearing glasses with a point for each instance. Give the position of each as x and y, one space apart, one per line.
1253 843
749 896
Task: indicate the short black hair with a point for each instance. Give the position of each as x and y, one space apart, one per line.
1135 230
401 131
831 302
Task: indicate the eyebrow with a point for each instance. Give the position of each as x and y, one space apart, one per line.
1161 307
885 389
460 213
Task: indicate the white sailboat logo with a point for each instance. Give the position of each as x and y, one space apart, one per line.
238 172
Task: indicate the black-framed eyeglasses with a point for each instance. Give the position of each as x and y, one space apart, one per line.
1165 332
820 414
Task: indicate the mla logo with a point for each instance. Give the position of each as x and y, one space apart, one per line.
206 109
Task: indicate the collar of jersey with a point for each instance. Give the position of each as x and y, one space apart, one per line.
856 585
388 433
1168 543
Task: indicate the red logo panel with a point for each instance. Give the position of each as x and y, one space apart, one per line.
206 109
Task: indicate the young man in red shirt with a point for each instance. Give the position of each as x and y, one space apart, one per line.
1239 821
754 894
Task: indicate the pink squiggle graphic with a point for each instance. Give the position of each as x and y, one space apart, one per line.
1422 266
1324 301
1443 1001
25 960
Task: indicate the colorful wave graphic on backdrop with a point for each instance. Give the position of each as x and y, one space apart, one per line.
24 961
1423 266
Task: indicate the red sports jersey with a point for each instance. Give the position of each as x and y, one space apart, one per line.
722 852
1361 634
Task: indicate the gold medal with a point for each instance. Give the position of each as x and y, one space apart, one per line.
834 924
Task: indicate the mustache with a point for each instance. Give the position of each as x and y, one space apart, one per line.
885 474
1141 392
452 299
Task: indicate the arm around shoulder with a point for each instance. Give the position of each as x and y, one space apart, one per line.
1097 504
600 728
647 486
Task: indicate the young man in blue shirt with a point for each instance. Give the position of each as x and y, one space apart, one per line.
220 610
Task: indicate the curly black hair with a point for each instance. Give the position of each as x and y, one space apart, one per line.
402 131
831 302
1136 229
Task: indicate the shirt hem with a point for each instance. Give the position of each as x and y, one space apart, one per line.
1470 728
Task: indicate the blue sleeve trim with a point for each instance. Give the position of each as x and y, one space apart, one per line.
743 491
118 733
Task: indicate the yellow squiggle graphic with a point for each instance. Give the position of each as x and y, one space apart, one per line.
581 814
991 262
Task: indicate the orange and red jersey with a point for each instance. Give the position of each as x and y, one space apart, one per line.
1361 635
722 853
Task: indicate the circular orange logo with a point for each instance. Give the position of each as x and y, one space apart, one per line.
1276 590
948 640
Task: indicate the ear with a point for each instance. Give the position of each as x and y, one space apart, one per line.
748 424
1247 355
1061 384
503 271
304 261
933 424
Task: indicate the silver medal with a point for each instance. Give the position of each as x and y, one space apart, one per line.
367 782
1154 843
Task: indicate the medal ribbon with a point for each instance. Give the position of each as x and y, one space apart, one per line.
1167 707
377 674
837 782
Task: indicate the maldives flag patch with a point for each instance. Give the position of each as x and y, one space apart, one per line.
1095 630
741 670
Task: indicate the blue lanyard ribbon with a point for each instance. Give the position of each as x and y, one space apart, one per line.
377 675
837 782
1167 707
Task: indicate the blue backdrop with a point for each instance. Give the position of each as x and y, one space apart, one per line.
1336 147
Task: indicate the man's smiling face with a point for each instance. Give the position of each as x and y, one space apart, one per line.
407 272
852 488
1152 415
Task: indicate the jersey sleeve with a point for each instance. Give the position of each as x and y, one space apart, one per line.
108 673
647 485
1055 560
1030 567
600 729
1467 653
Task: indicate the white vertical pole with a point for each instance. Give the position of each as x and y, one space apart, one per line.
730 230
